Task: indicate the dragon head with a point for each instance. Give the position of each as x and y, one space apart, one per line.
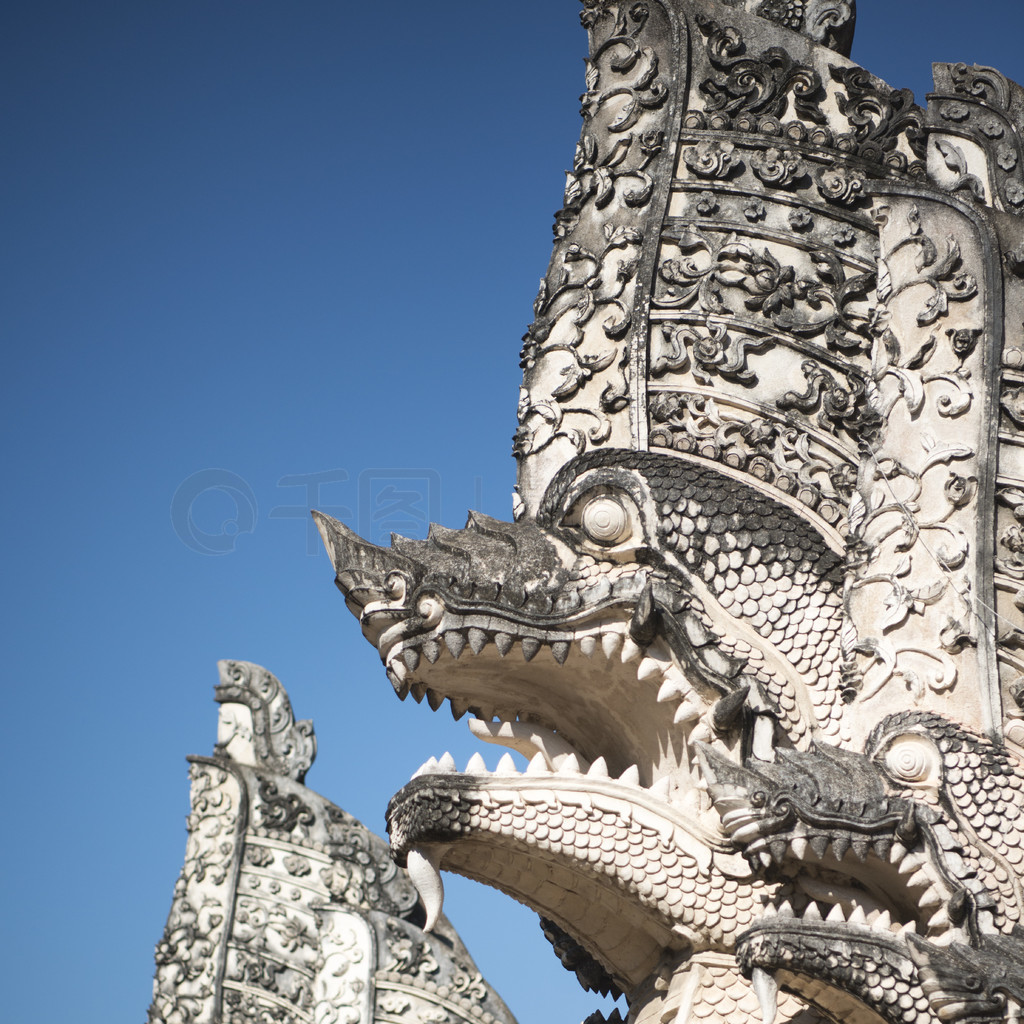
653 603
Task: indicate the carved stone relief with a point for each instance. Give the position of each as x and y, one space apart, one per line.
278 912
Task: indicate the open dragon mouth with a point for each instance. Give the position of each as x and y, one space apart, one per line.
607 859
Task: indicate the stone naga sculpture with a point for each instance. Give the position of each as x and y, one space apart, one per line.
288 910
757 622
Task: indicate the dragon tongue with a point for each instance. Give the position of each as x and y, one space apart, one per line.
423 865
766 988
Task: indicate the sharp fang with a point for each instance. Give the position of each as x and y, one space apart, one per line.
896 853
786 909
630 650
455 642
506 766
669 690
538 765
812 913
685 714
427 768
799 847
599 769
835 915
610 643
857 915
476 765
631 776
434 699
447 763
424 873
524 737
882 923
568 765
588 645
767 991
662 788
649 668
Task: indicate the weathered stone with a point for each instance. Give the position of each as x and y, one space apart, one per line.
287 908
766 572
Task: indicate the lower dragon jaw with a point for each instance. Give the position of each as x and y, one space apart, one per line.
607 860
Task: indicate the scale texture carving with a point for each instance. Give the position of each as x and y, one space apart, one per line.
756 625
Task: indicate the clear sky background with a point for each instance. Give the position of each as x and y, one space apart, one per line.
288 242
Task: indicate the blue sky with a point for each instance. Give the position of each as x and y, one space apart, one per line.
297 244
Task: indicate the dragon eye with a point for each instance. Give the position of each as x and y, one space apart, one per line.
605 521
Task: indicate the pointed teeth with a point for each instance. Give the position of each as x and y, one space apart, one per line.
399 670
785 909
896 853
588 645
504 642
431 650
919 878
940 919
417 690
882 923
476 765
649 668
506 766
767 991
447 763
662 788
477 639
530 647
669 689
910 863
538 765
455 642
630 650
560 650
799 846
424 873
434 699
812 913
931 897
910 928
598 769
686 713
631 776
836 915
857 915
401 686
610 643
459 707
411 657
427 768
569 765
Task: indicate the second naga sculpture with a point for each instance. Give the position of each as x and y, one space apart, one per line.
756 623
